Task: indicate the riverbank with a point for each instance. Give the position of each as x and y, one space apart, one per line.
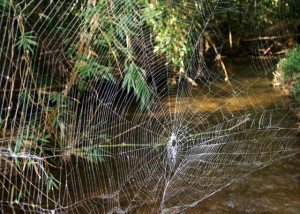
287 79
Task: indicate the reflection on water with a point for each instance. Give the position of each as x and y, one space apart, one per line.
251 94
249 90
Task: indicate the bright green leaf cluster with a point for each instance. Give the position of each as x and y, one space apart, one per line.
171 28
290 71
26 42
135 78
90 68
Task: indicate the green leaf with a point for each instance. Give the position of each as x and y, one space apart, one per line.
26 42
18 145
12 194
20 195
135 78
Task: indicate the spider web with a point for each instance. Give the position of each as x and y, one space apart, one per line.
115 155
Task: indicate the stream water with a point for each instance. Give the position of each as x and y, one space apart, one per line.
274 189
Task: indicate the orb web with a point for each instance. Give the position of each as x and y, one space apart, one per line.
108 151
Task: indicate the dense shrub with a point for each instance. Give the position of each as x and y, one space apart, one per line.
290 73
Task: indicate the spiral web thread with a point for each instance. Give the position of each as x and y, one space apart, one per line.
115 155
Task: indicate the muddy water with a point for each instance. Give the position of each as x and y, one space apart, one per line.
274 189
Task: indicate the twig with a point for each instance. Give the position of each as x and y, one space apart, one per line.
270 37
128 130
8 58
222 130
218 57
237 125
